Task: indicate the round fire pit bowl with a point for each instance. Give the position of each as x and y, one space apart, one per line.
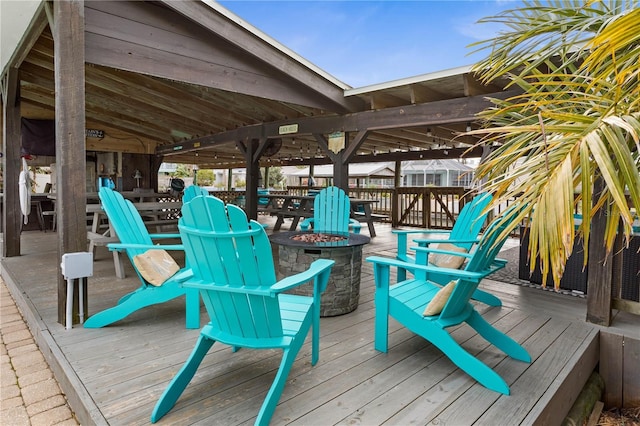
296 250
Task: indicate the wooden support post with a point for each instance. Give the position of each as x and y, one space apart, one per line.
252 157
395 199
12 216
341 175
71 197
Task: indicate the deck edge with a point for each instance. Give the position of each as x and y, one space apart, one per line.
555 404
83 406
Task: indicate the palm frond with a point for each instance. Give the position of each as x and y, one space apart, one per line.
576 120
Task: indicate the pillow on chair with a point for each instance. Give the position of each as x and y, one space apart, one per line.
439 300
156 266
450 261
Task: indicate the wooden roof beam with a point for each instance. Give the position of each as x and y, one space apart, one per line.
432 113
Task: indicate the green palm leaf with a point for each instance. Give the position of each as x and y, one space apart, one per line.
576 121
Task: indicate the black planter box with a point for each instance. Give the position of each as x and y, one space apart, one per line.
631 270
575 278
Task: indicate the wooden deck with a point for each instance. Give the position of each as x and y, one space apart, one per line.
115 375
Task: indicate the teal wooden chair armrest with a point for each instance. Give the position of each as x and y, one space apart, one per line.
144 247
256 291
389 262
428 310
317 267
426 242
234 272
183 275
306 224
163 236
500 262
427 250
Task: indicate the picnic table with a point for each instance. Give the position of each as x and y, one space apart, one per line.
362 211
288 206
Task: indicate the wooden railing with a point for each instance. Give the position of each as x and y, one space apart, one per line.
428 207
423 207
416 206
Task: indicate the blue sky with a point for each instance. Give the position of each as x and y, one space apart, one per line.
368 42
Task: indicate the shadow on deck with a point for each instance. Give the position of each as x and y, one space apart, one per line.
115 375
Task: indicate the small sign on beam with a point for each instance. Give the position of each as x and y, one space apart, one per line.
95 133
288 129
336 141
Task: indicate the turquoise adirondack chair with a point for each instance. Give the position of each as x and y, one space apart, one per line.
331 213
193 191
464 234
135 240
407 301
232 267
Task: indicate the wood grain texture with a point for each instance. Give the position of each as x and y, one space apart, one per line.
124 368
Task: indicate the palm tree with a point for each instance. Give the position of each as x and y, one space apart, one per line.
576 123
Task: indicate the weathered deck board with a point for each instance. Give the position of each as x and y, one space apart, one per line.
125 367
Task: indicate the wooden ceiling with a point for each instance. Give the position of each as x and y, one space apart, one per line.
155 81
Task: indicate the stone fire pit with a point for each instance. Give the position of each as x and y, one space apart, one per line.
297 250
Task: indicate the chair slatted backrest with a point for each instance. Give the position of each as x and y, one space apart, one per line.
331 211
466 227
484 255
226 250
193 191
125 219
471 219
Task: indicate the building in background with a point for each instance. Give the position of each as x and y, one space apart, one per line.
437 173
